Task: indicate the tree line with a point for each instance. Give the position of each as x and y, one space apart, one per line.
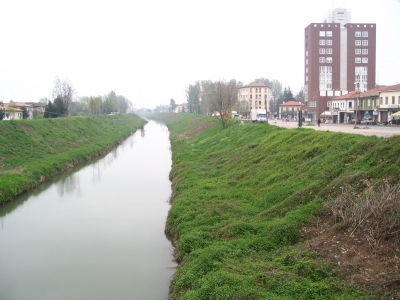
64 105
207 97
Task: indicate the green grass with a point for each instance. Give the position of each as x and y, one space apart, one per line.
33 150
242 194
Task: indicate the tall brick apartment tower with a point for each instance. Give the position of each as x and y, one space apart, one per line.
339 57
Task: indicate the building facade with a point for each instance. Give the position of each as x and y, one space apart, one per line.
290 109
257 96
389 102
339 57
378 104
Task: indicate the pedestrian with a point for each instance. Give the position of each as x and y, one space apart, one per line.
319 122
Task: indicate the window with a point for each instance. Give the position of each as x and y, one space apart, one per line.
358 51
358 42
380 101
329 42
329 33
321 50
328 50
398 100
306 70
350 104
307 53
369 102
393 97
365 42
364 51
322 59
365 60
306 61
365 33
358 60
322 42
259 102
329 60
325 69
306 78
325 78
386 100
358 33
322 33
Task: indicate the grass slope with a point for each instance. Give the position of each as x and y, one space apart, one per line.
241 196
33 150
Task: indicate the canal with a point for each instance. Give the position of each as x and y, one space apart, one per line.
96 232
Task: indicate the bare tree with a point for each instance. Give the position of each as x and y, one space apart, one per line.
63 89
223 96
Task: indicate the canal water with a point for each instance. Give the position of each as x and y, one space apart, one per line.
96 232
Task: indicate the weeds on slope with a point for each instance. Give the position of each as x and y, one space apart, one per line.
242 196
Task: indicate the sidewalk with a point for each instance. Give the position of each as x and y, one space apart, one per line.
378 130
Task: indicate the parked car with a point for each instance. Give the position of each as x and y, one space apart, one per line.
366 121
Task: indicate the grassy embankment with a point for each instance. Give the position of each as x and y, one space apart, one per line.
243 196
32 151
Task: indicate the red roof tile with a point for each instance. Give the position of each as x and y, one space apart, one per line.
292 103
395 87
256 84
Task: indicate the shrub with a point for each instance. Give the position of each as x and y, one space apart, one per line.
375 213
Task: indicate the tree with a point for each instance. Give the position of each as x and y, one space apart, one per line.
192 96
63 89
300 96
223 97
44 101
49 111
172 105
11 108
205 93
55 109
25 113
2 112
123 104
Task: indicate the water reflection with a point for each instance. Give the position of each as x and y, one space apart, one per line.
96 232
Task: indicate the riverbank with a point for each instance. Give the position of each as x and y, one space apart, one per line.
253 212
32 151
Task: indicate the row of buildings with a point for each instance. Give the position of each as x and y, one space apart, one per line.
14 110
339 75
378 104
340 71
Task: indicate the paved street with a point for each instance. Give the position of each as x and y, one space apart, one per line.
378 130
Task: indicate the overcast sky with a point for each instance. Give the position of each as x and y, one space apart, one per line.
150 51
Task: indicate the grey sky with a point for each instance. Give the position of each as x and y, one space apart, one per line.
150 51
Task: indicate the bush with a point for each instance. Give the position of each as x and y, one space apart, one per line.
375 213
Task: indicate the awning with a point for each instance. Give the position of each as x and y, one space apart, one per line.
329 113
396 114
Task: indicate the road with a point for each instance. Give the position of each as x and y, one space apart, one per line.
378 130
